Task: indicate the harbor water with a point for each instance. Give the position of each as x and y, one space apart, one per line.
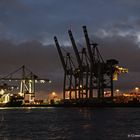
50 123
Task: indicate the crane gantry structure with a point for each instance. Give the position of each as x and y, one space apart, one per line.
91 76
27 80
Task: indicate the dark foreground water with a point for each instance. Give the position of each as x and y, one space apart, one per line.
69 123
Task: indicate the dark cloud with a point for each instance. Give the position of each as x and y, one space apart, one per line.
27 19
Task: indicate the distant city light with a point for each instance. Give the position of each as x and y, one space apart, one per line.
136 89
42 81
81 86
117 90
1 91
53 93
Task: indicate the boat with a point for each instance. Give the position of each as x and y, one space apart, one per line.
9 99
15 101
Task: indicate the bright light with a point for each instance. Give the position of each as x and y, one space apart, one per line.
81 86
117 90
1 91
136 89
30 81
6 98
21 94
53 93
50 81
42 81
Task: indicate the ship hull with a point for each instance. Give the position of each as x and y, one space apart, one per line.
14 102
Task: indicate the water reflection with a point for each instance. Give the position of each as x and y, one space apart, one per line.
68 123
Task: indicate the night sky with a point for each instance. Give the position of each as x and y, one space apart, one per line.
27 28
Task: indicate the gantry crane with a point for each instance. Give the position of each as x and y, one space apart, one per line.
68 67
92 74
27 81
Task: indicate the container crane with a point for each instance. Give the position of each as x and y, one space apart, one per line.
69 74
80 69
92 74
27 81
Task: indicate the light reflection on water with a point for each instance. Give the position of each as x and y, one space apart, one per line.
68 123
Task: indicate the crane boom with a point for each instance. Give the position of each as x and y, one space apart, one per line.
75 49
88 45
60 53
91 60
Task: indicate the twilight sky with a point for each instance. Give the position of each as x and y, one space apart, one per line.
27 28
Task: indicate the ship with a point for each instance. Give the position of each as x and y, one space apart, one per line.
9 99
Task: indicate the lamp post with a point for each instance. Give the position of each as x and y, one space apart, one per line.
53 94
136 89
117 92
